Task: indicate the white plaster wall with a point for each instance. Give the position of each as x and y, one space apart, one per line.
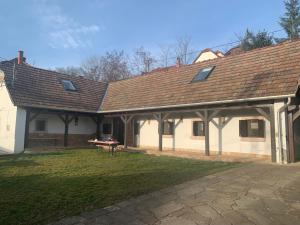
12 124
206 56
56 126
182 139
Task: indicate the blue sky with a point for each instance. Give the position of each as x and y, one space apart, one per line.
60 33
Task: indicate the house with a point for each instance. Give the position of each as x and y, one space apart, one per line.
208 54
238 104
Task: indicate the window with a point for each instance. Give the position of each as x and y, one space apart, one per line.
106 127
68 85
203 74
252 128
168 128
40 126
198 128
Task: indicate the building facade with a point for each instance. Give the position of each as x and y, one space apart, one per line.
242 104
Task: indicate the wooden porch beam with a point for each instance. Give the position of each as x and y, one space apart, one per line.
200 114
263 113
296 114
126 119
214 113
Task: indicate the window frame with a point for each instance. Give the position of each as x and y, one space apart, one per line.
46 125
211 69
198 136
247 133
74 89
172 128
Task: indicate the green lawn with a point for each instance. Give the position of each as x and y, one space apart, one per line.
41 188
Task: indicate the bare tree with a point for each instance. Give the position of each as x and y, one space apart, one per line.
110 67
92 68
114 66
183 48
142 61
70 70
165 55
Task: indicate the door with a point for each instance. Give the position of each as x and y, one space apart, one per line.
297 139
118 130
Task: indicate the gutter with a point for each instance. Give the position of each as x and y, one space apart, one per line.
200 104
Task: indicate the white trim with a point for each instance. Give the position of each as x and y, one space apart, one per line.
200 104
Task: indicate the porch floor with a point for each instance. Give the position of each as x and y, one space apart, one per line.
232 157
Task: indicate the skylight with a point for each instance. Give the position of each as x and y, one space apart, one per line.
68 85
203 74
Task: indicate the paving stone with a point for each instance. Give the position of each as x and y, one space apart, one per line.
259 194
166 209
176 221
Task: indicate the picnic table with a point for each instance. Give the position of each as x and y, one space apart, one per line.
112 144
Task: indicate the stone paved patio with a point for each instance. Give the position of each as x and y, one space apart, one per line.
253 194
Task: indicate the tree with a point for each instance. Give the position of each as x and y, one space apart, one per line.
291 21
70 70
251 40
142 61
183 48
110 67
165 54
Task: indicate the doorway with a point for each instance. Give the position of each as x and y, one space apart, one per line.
297 139
118 130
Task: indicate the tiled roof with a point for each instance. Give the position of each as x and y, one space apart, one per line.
42 88
266 72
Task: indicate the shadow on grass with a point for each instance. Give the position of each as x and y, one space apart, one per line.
40 199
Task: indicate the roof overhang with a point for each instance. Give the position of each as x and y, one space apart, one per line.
201 104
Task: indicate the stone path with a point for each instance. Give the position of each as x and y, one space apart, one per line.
251 195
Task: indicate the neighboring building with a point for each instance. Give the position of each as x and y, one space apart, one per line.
240 104
208 54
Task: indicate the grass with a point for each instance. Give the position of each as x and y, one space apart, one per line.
42 188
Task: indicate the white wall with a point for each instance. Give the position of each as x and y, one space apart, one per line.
56 126
183 140
12 124
206 56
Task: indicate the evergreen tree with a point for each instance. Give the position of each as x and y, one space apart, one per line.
291 21
251 41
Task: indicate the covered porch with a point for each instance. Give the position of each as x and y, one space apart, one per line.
212 125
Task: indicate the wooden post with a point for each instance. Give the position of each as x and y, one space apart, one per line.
98 123
220 128
273 140
206 129
125 132
126 119
291 158
66 131
26 136
160 131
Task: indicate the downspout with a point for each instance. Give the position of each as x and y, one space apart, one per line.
280 111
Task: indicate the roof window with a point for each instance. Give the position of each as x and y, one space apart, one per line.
203 74
68 85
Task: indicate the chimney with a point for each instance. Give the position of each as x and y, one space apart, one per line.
20 57
178 62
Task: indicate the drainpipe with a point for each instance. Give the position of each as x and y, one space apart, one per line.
281 110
